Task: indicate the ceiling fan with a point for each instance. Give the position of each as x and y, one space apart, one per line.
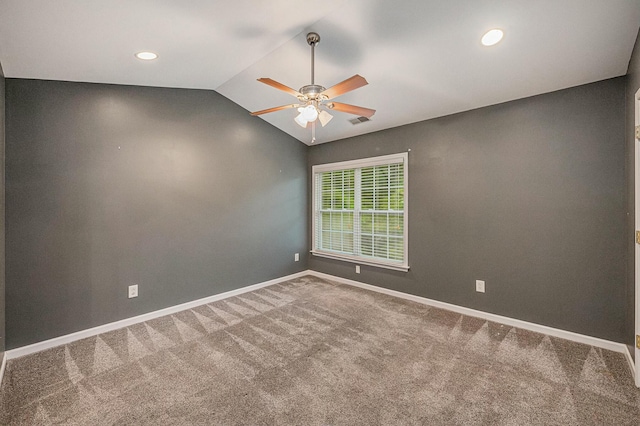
315 100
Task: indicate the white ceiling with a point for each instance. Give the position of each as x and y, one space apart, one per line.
422 58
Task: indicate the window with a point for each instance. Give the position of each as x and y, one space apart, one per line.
360 211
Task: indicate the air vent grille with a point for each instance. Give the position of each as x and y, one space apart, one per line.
359 120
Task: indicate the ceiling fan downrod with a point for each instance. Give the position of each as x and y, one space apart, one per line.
312 40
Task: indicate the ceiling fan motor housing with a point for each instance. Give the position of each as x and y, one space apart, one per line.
312 92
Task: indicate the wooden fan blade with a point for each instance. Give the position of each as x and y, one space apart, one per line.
348 85
352 109
279 86
265 111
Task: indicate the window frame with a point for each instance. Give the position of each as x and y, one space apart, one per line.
403 158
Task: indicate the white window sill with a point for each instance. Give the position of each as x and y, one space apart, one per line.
361 261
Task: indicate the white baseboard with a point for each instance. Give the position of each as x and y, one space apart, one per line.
2 367
68 338
563 334
632 364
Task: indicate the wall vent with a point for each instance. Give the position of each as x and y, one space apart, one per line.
359 120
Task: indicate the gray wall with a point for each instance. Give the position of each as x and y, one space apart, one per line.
113 185
633 84
2 280
178 191
528 195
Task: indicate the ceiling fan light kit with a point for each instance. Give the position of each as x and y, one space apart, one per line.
313 98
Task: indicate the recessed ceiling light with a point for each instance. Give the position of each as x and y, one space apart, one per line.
146 56
492 37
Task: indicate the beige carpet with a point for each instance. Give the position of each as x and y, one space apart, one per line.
311 352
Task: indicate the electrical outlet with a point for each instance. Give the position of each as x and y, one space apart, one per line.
357 269
296 257
480 286
133 291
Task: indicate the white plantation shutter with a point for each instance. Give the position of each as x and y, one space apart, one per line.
359 211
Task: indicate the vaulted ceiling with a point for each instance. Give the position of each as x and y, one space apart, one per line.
422 58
